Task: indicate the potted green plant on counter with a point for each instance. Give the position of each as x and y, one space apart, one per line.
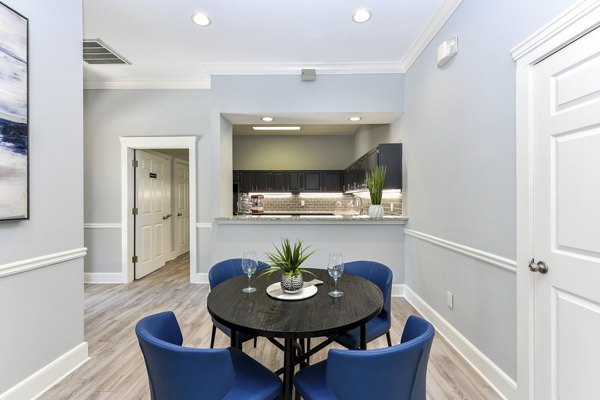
288 259
375 181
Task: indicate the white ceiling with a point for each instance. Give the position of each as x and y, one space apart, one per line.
263 36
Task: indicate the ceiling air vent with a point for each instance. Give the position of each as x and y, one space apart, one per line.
95 51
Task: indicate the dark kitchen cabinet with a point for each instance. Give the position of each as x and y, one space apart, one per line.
245 180
312 181
279 181
388 154
288 181
296 179
332 181
262 181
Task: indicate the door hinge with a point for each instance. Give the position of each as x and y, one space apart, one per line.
134 259
134 163
134 211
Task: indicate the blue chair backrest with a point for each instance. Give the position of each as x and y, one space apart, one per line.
177 372
228 269
380 275
390 373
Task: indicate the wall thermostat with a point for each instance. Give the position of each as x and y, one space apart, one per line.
446 51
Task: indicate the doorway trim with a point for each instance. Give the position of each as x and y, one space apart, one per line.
128 144
569 26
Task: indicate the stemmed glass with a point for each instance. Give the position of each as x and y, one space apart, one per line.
249 265
335 269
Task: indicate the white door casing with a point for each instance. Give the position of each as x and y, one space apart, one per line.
128 145
153 207
558 96
182 207
566 195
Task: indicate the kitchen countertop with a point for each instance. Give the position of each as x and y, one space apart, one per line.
309 219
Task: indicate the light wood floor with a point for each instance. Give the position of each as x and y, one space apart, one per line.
116 369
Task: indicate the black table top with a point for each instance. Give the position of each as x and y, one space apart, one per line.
319 315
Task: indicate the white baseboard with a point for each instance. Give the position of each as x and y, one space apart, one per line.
201 278
103 277
35 385
398 290
498 379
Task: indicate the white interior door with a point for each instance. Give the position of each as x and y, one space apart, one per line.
566 204
182 207
151 222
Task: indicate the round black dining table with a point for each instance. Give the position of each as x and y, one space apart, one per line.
320 315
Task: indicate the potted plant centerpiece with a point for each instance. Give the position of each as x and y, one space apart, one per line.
375 180
288 259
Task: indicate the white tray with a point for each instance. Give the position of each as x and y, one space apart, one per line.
274 291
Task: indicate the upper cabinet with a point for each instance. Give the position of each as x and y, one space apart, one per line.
289 181
388 154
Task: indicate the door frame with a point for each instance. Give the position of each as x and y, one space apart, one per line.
570 25
128 144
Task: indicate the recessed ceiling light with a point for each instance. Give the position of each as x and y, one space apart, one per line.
355 118
276 128
267 119
361 15
201 19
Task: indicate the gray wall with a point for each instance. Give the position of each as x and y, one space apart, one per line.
293 152
369 136
42 310
458 132
110 114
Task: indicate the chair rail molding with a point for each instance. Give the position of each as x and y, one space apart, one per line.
490 372
47 260
489 258
109 225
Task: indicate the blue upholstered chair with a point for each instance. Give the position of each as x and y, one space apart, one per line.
183 373
390 373
382 276
219 273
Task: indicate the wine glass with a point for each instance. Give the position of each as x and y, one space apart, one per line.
335 269
249 265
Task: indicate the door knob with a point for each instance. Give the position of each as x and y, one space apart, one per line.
540 266
179 214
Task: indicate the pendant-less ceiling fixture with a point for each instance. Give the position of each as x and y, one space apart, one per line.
276 128
201 19
267 119
354 119
361 15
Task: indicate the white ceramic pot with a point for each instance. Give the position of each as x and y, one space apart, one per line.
376 211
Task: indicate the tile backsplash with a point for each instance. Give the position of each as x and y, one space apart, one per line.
307 203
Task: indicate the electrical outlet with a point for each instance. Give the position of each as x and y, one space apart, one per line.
450 300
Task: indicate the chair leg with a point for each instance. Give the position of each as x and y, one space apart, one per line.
255 341
212 336
307 350
389 338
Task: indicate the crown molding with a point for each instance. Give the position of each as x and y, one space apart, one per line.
557 27
431 29
148 84
295 68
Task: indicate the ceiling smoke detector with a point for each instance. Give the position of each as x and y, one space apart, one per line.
95 51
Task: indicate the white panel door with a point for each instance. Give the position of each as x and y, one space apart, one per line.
151 225
566 203
182 207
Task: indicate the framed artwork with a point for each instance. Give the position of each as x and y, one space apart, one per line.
14 109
